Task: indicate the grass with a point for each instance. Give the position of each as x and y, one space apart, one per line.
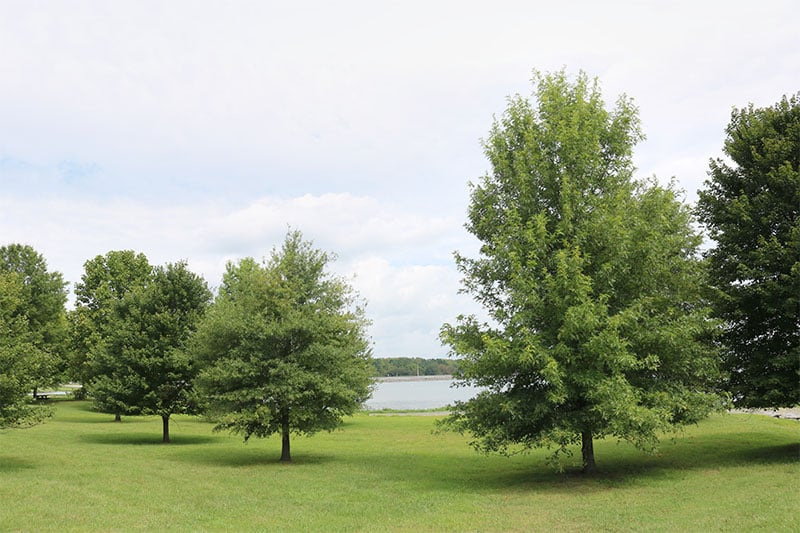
80 471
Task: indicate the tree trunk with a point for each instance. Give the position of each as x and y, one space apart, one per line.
165 426
286 454
587 451
117 417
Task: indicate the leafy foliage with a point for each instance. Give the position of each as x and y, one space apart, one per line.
591 282
18 357
140 366
43 293
284 346
32 331
107 279
750 206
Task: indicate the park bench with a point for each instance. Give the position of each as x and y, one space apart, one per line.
48 394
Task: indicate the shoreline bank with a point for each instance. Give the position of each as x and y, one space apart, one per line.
390 379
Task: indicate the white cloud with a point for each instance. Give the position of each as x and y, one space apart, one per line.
343 223
196 130
409 304
398 261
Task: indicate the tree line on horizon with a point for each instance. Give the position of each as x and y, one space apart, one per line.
414 366
606 319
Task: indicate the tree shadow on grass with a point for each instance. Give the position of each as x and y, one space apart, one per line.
101 418
83 412
724 450
245 456
138 439
14 464
444 468
621 464
618 465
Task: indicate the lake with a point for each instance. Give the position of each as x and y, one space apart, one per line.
423 392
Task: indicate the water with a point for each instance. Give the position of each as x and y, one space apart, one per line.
425 393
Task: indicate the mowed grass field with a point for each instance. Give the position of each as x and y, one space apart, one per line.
80 471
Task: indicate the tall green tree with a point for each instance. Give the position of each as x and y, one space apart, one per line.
750 205
141 366
107 279
284 346
42 295
18 357
590 280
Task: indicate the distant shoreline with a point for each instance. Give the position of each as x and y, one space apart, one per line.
389 379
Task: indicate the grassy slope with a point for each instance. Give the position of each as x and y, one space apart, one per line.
80 471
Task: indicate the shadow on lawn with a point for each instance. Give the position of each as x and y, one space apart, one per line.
83 412
14 464
138 439
621 464
250 456
445 468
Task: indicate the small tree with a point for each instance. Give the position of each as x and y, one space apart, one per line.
283 347
141 366
750 206
590 279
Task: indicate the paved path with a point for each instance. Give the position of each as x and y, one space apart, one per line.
792 413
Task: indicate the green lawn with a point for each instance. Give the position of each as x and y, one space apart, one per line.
81 471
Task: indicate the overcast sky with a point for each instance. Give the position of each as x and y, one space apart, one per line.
201 130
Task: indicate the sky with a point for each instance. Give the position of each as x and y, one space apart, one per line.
201 131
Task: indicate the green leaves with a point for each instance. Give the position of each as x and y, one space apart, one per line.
750 206
589 277
32 330
18 357
140 320
285 341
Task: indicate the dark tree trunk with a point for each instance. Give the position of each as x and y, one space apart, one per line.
117 417
286 454
165 426
587 451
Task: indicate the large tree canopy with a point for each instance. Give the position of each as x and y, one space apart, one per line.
750 206
106 281
140 366
40 296
597 327
18 356
284 346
